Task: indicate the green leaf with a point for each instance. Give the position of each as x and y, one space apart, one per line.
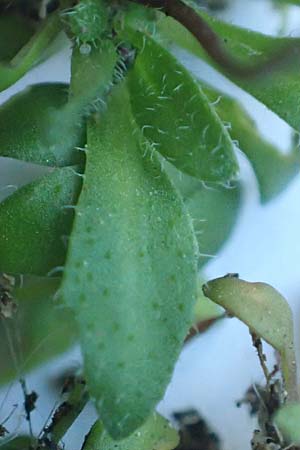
175 115
35 220
277 86
30 54
91 76
287 2
287 419
214 210
15 31
266 313
38 330
18 443
205 309
155 434
130 275
273 169
63 418
35 127
87 21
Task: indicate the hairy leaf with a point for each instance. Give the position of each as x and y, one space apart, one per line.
155 434
213 208
87 21
276 83
35 220
273 169
130 275
266 313
30 54
34 127
38 331
91 76
287 419
175 115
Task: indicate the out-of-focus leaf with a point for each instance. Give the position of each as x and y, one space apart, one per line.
38 330
155 434
277 85
15 31
175 115
214 210
30 54
130 275
35 127
287 2
273 169
288 419
75 399
267 314
35 220
18 443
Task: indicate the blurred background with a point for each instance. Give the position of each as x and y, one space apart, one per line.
216 368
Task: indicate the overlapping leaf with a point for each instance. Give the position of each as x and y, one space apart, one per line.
214 210
35 222
15 31
38 331
155 434
91 76
30 54
175 116
35 128
130 275
273 169
276 83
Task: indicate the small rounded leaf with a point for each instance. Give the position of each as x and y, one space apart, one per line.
265 311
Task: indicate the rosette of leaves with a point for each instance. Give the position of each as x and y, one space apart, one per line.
142 187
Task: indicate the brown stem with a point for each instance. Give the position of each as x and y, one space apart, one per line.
212 43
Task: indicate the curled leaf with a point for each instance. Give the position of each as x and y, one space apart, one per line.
131 260
35 220
267 314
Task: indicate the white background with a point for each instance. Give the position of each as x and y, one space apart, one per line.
216 368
